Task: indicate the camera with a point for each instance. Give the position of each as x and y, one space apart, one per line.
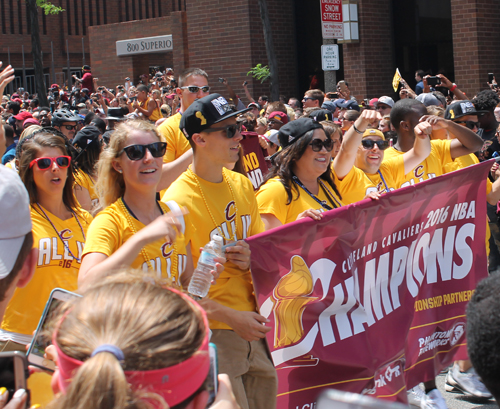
433 81
221 80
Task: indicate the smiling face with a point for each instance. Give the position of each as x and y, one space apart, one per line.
314 163
142 174
218 147
369 160
50 181
187 97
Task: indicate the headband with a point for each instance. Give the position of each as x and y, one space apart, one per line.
175 383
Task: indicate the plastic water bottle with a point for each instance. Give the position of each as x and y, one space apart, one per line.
202 278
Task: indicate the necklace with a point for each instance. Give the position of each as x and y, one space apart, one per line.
210 212
144 252
59 235
329 194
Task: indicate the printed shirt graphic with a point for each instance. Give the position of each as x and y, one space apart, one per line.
357 184
430 168
234 286
272 198
55 267
110 229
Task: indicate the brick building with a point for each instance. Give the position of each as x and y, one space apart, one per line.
455 37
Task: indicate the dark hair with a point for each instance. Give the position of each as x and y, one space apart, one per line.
264 98
31 145
35 101
483 332
352 114
8 131
14 106
402 109
99 123
21 257
284 161
486 100
89 117
331 128
420 73
141 88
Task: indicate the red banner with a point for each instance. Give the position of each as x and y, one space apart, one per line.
371 299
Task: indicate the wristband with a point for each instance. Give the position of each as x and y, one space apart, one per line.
357 130
453 87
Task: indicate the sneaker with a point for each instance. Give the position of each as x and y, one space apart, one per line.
415 396
467 383
433 400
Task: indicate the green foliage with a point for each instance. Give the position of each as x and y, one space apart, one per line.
260 72
49 8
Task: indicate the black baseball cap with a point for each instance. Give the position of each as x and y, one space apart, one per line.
294 130
321 115
205 112
459 109
85 136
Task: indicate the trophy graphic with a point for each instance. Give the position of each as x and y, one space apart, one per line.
290 297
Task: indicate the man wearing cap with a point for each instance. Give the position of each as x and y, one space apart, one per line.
20 118
254 109
193 85
485 103
276 120
332 107
428 99
17 255
86 81
384 105
222 202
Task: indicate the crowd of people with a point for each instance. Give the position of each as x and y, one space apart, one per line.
104 183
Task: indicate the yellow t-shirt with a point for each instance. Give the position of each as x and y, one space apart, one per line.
84 180
233 208
357 184
430 168
272 199
111 228
177 143
55 267
156 114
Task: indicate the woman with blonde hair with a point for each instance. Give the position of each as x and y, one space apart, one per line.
131 342
134 228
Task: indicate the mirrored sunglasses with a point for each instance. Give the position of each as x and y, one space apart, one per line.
194 89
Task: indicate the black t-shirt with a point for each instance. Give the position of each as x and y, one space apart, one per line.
490 143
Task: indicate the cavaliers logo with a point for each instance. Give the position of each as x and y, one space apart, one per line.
230 211
457 333
66 234
166 251
419 171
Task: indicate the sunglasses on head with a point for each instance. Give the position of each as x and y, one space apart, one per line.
369 144
137 152
46 163
194 89
230 130
318 144
469 124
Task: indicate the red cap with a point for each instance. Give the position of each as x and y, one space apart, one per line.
171 96
22 116
54 86
373 102
32 121
279 116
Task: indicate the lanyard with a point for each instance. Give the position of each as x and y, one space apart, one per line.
383 180
323 203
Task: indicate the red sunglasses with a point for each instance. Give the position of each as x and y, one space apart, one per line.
46 163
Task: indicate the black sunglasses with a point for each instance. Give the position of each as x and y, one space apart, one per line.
469 124
137 152
369 144
230 130
70 127
318 144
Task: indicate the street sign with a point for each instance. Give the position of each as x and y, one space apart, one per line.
144 45
330 57
331 19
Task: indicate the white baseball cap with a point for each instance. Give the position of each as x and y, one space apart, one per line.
15 222
386 100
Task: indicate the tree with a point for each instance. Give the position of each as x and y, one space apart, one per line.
271 56
36 46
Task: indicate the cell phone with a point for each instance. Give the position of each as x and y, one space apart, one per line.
221 80
342 86
213 381
433 81
14 372
332 95
41 339
245 83
335 399
490 77
133 98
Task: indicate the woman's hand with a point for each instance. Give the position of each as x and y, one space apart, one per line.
312 213
165 226
225 398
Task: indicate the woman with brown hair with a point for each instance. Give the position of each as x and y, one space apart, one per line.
59 229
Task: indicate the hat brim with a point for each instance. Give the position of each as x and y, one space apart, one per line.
469 113
232 114
9 250
116 118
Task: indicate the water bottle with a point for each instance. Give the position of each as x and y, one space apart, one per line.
202 278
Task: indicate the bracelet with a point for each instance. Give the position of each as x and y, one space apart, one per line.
453 88
357 130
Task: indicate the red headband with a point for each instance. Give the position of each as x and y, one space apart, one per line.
174 383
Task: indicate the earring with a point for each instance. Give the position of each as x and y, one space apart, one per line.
119 171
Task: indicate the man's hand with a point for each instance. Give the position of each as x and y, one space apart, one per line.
249 325
436 122
424 129
445 82
239 254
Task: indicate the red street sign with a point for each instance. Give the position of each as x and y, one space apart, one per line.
331 19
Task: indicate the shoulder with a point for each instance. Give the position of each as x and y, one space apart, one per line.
86 216
240 180
440 145
181 189
273 184
171 122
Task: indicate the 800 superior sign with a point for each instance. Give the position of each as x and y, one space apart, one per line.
144 45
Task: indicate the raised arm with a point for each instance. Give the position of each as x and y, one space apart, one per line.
421 148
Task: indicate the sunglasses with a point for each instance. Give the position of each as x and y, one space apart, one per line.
306 98
369 144
230 130
469 124
318 144
70 127
382 107
46 163
137 152
194 89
